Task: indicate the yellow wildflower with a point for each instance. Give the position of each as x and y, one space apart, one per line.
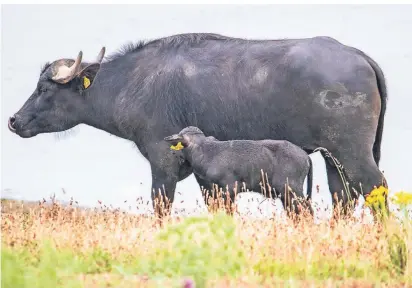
402 198
376 197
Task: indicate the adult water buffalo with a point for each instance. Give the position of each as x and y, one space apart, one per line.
313 92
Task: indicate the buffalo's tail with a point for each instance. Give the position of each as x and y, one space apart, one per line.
309 180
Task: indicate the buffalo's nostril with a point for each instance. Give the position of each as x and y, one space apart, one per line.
12 122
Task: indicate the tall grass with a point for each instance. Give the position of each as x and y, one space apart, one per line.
51 245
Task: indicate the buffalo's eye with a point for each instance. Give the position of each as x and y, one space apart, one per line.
41 88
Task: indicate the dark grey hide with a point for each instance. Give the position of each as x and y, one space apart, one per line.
274 164
313 92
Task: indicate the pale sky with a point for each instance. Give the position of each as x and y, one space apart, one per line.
91 165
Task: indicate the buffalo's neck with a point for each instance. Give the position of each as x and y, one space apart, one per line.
109 108
100 112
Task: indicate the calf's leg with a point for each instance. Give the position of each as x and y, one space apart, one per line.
288 183
227 188
205 188
293 199
215 187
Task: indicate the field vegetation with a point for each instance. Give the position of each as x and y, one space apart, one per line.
48 244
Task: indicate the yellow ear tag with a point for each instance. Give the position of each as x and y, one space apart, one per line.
86 82
178 147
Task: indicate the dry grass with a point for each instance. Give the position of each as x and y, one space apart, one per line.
48 245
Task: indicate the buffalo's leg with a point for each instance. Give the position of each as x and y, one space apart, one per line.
363 175
163 190
165 165
340 199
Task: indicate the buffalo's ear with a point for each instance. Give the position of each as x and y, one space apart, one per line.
88 74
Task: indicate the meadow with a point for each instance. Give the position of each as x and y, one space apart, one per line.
48 244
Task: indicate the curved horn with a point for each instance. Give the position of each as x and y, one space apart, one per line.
65 74
101 55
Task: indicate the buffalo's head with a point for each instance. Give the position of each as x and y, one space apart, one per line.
185 137
58 102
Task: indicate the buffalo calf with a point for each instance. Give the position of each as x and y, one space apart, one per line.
227 163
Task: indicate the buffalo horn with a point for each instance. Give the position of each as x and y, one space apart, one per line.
65 74
101 55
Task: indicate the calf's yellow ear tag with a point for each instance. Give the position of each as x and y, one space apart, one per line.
86 82
178 147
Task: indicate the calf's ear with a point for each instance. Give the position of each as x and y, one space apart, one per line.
88 74
176 142
183 143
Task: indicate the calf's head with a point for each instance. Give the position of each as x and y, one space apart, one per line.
184 138
58 102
